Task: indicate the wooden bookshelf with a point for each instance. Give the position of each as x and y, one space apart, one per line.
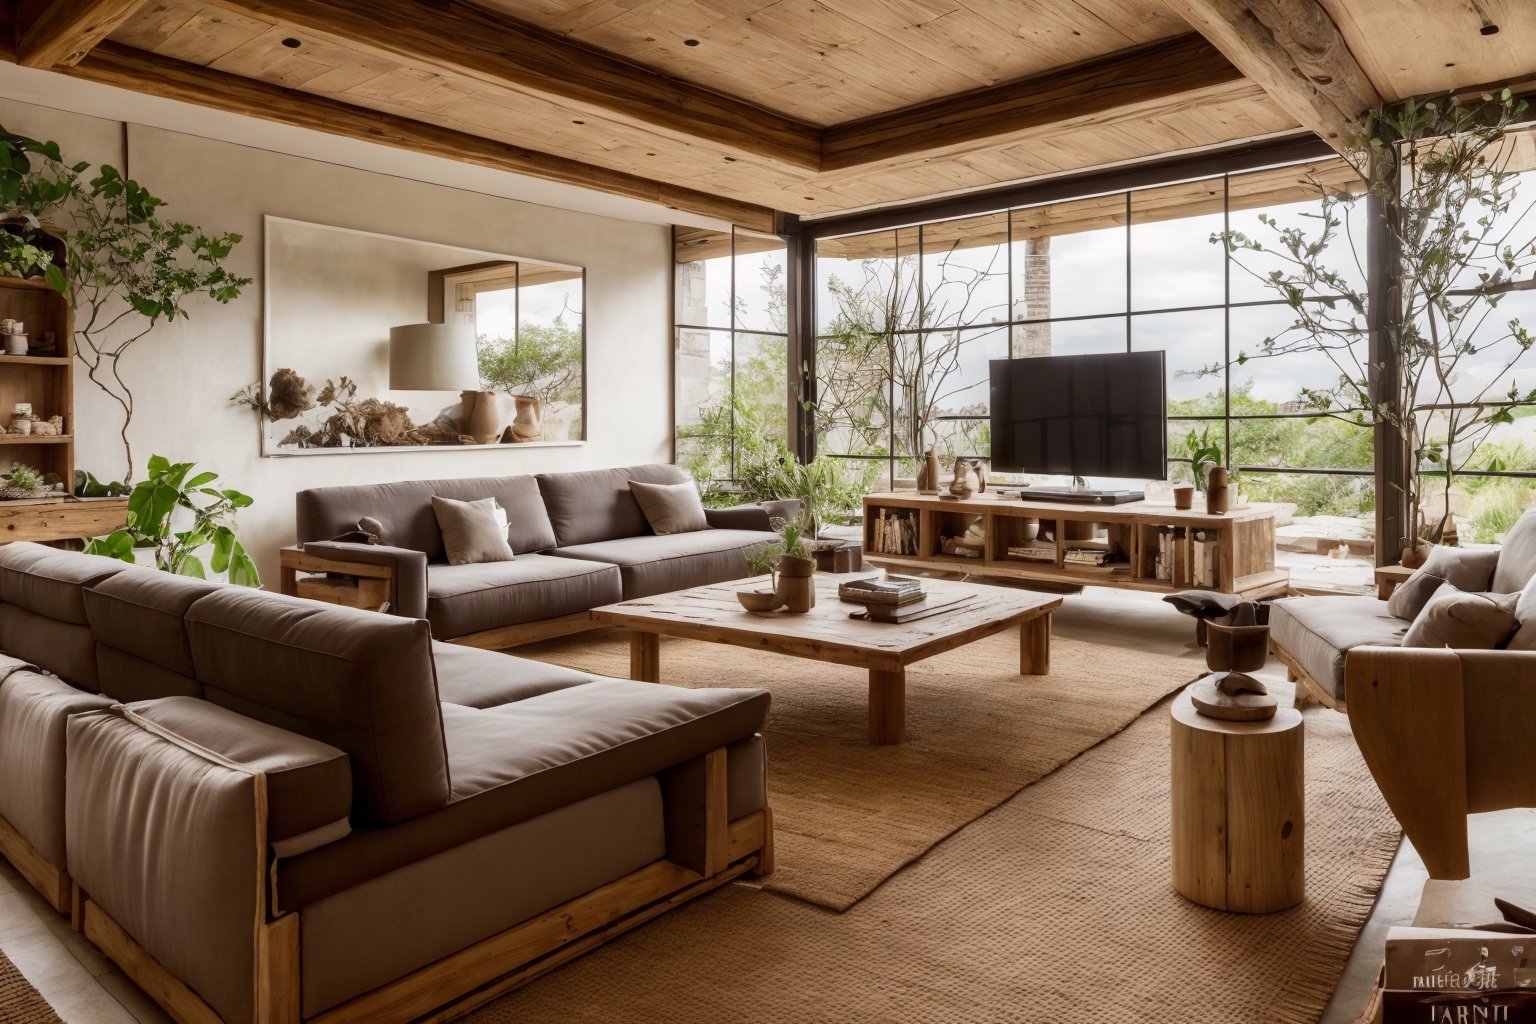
1150 546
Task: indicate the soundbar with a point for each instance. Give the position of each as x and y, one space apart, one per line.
1066 494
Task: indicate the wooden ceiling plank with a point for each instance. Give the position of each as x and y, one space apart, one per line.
61 33
125 68
1293 49
1123 81
453 36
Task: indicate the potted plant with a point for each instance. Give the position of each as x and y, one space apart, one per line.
1204 455
20 258
173 518
22 481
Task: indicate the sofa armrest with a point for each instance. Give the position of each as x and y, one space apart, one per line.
1445 733
167 845
406 570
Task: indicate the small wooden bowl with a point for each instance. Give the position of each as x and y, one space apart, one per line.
758 600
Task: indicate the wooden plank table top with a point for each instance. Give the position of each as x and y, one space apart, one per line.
967 612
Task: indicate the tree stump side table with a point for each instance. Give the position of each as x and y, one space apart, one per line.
1238 810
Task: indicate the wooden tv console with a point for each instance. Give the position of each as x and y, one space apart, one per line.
1151 545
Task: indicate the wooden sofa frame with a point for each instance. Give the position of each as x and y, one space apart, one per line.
473 976
367 586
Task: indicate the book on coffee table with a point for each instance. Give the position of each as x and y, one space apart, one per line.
892 591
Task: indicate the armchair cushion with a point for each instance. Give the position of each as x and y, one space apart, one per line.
1459 620
1318 633
1517 557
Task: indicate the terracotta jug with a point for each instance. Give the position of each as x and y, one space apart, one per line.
928 473
528 424
481 415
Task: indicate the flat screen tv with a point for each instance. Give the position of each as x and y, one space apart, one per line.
1099 415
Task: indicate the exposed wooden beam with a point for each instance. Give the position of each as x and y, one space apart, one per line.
455 37
1294 51
127 68
1126 82
61 32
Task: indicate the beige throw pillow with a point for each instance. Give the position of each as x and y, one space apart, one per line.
1410 596
1453 618
473 531
1525 614
1469 570
671 508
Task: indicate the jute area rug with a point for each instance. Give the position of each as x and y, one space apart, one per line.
1055 907
20 1003
848 815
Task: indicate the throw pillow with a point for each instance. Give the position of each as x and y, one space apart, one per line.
1469 570
1454 618
670 508
472 531
1411 595
1525 614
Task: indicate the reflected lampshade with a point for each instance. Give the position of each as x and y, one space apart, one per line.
433 357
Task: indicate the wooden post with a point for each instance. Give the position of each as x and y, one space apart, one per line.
1035 646
644 656
887 706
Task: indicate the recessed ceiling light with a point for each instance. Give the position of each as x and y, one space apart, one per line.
730 159
1489 29
292 43
578 122
690 42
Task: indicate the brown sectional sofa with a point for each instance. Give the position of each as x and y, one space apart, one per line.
580 541
276 809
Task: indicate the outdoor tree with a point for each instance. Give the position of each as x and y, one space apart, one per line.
543 360
1442 171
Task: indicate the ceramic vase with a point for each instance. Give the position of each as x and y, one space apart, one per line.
1415 553
797 583
1216 492
16 345
928 473
481 415
528 424
965 482
1184 497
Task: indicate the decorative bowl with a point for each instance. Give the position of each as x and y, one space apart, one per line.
758 600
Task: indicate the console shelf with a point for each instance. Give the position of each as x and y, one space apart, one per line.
1148 546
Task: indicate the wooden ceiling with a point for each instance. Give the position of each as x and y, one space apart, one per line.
738 109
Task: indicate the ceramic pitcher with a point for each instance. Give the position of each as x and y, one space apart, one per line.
528 424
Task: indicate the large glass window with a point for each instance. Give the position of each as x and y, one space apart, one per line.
731 352
908 319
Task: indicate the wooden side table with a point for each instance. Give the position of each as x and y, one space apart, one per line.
1388 577
1238 810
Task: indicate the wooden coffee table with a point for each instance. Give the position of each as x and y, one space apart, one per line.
968 612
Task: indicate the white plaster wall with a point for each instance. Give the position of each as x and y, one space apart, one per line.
183 374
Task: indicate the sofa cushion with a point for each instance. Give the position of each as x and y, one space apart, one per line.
1410 596
34 709
1455 619
404 510
138 619
473 678
1467 569
658 565
1317 632
49 581
1525 619
465 599
670 508
357 680
309 783
473 531
1517 557
516 762
63 648
597 505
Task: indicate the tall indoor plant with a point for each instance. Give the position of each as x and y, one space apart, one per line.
129 268
1439 171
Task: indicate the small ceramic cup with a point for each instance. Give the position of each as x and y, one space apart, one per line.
1184 496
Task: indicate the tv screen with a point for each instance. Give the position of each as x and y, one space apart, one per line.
1101 415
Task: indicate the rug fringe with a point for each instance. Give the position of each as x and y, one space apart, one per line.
1319 967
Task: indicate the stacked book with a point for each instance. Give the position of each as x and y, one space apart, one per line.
1085 556
892 591
1034 551
895 532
